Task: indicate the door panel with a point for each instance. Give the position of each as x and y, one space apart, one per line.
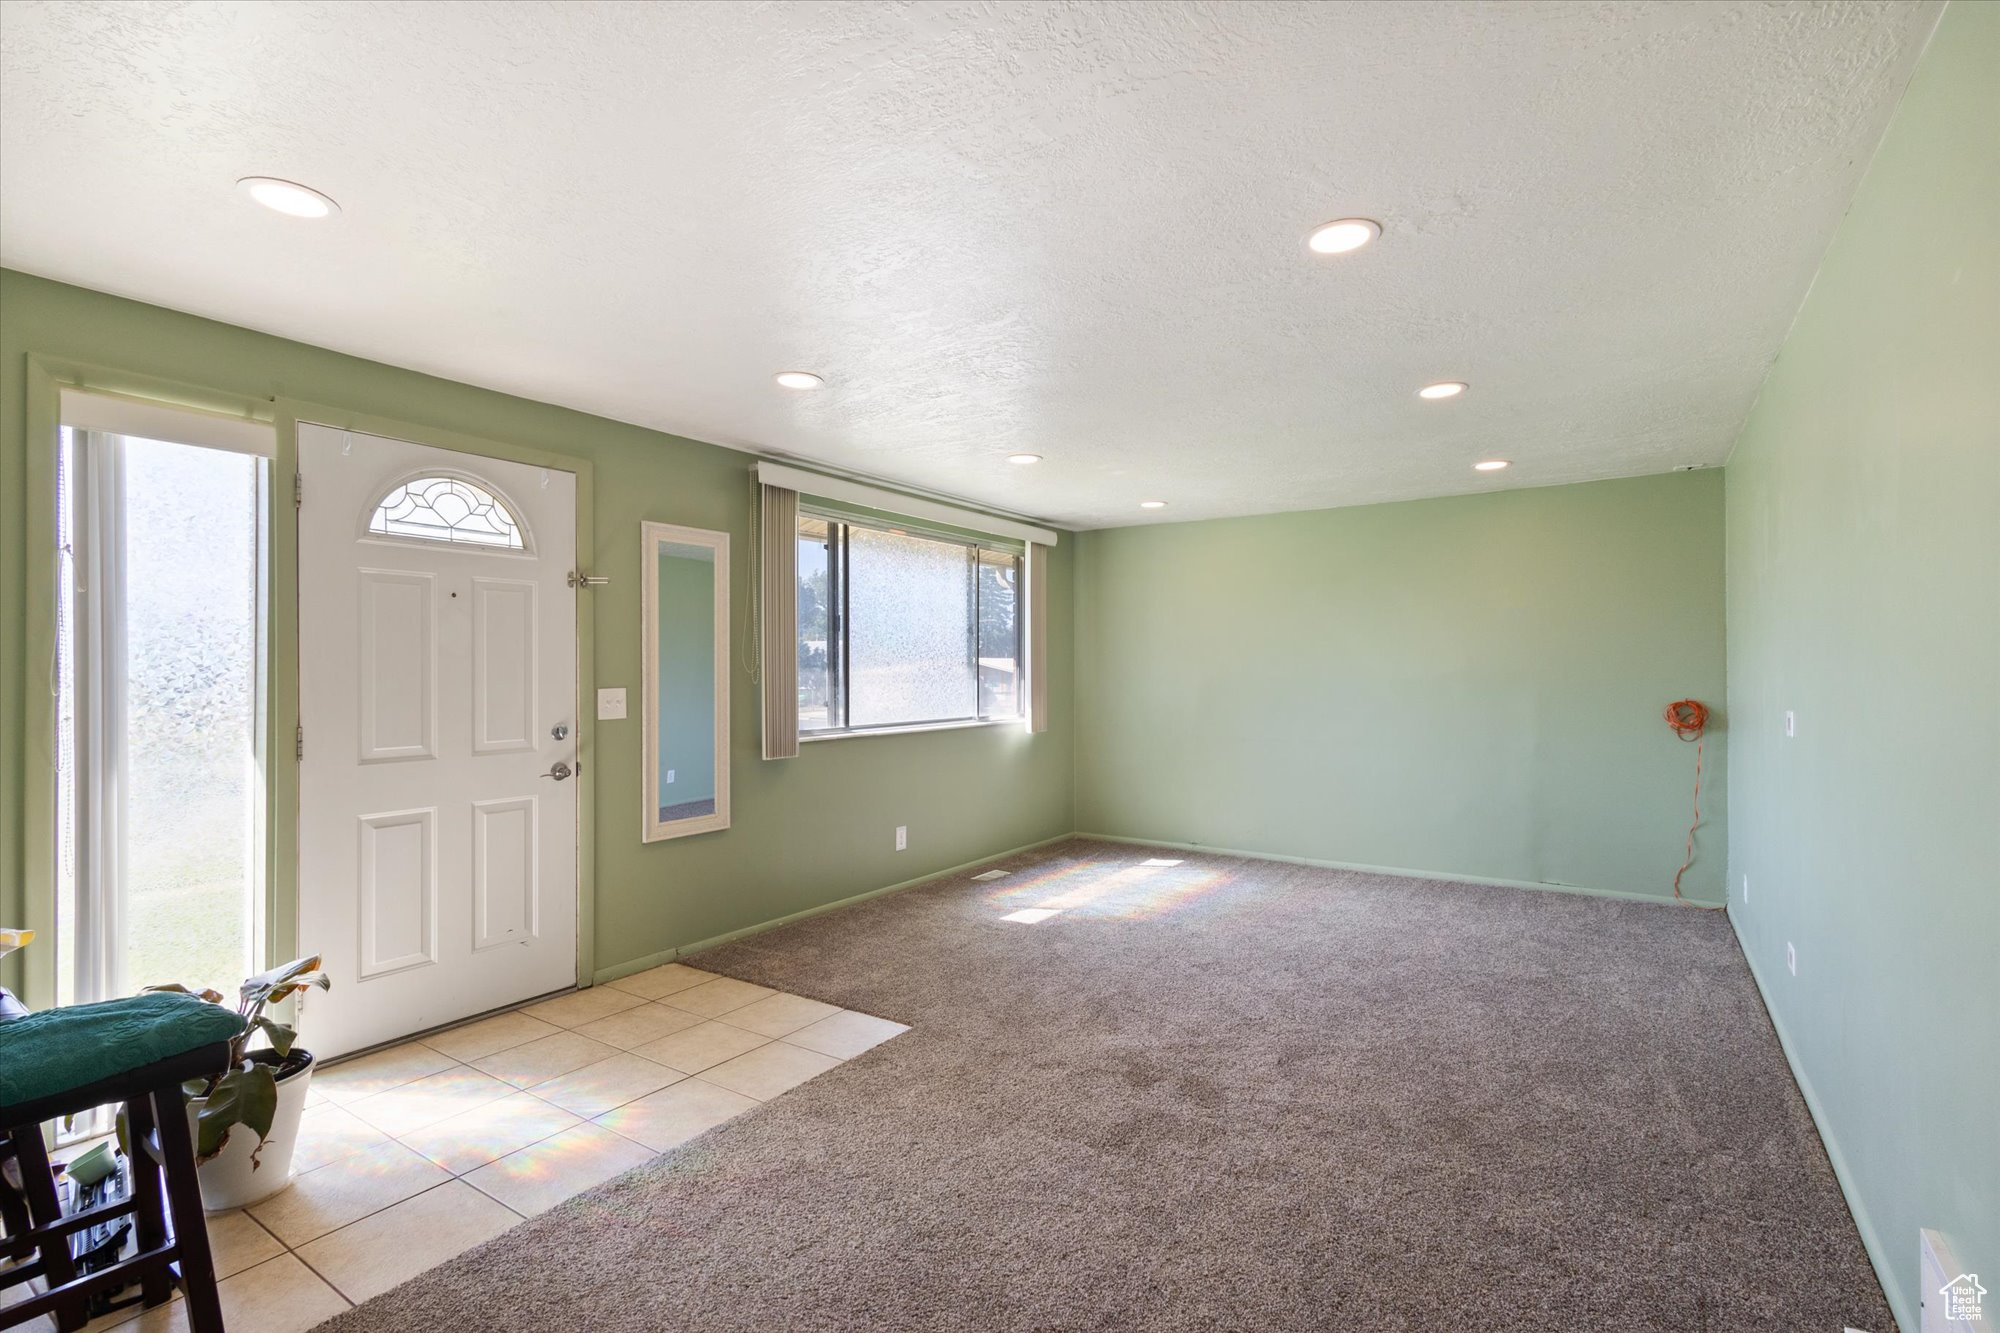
503 666
503 872
398 890
398 668
437 676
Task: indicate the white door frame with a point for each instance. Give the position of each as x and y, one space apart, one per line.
283 941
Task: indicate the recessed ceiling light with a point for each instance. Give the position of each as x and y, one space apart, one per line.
1152 504
288 197
1448 389
1490 465
1342 237
1024 459
798 379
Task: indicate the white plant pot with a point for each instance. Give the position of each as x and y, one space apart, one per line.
229 1180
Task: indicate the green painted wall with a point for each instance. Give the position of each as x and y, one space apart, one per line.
1466 686
806 832
687 679
1864 595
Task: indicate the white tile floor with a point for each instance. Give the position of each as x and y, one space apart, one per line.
413 1155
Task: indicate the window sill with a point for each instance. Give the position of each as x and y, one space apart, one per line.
808 738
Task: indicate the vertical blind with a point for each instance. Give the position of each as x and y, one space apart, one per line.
1038 637
778 529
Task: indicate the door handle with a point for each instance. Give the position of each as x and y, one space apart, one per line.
559 772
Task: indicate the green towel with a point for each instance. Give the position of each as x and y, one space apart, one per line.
53 1050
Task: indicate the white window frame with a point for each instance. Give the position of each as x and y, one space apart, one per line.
99 423
839 524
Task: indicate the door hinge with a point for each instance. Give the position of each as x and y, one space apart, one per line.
299 742
579 579
298 491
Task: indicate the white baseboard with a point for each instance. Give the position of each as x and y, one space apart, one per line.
1871 1241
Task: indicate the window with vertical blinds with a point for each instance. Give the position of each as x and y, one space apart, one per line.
900 629
896 620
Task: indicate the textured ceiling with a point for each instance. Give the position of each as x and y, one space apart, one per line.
1070 229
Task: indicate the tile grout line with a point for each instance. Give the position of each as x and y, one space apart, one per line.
596 1121
284 1249
306 1264
765 1041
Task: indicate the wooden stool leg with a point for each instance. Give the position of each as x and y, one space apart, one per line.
155 1284
190 1223
13 1213
38 1183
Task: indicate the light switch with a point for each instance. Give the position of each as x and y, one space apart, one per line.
611 705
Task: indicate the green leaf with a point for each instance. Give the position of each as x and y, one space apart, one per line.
217 1116
281 1036
258 1105
247 1096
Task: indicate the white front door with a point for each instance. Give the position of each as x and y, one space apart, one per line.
437 702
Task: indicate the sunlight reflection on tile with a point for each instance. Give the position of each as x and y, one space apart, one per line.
595 1089
536 1179
498 1033
409 1108
478 1136
670 1118
346 1191
352 1080
545 1058
329 1132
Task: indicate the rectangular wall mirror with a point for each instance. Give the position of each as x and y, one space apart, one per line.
686 597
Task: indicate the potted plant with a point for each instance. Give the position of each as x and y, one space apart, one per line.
261 1091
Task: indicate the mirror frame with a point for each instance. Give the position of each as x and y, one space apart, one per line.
651 537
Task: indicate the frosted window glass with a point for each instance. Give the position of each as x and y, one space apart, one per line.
909 630
191 725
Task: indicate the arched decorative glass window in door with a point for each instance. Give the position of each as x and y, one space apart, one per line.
447 509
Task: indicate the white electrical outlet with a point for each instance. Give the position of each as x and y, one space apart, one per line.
1791 958
1791 723
902 838
670 775
1746 887
611 705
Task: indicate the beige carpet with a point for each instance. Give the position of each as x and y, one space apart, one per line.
1224 1094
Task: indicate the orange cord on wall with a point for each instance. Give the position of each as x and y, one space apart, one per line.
1689 719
